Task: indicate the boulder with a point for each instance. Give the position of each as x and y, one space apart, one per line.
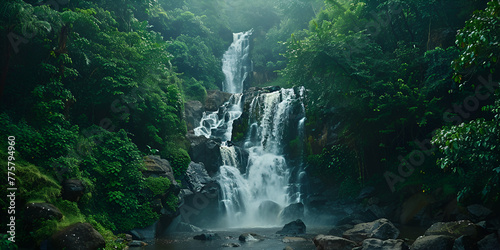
377 244
489 242
148 232
413 205
479 211
215 99
207 236
381 229
292 212
72 190
155 166
206 151
268 211
330 242
37 212
465 243
455 229
193 112
293 228
432 242
249 237
79 236
196 177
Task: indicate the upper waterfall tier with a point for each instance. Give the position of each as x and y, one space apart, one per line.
236 64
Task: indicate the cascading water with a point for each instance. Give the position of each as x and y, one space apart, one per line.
267 179
236 63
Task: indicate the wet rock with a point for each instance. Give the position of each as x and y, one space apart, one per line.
376 211
489 242
455 229
292 212
196 177
479 212
293 228
268 211
79 236
36 212
377 244
433 242
465 243
381 229
330 242
215 99
206 151
207 236
249 237
193 112
72 190
288 248
231 245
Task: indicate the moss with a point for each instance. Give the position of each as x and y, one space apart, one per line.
157 185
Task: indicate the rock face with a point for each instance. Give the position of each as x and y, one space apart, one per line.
293 228
72 190
381 229
158 167
79 236
206 151
268 211
215 99
455 229
292 212
330 242
196 177
377 244
433 242
193 111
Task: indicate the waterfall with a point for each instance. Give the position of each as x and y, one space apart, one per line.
255 196
235 63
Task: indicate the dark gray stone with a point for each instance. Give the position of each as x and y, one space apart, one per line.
489 242
378 244
381 229
465 243
249 237
193 112
433 242
292 212
293 228
207 236
72 190
268 211
79 236
330 242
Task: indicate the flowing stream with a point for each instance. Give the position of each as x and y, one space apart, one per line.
255 197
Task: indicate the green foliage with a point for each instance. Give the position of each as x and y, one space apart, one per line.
334 165
471 151
178 157
478 42
157 185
